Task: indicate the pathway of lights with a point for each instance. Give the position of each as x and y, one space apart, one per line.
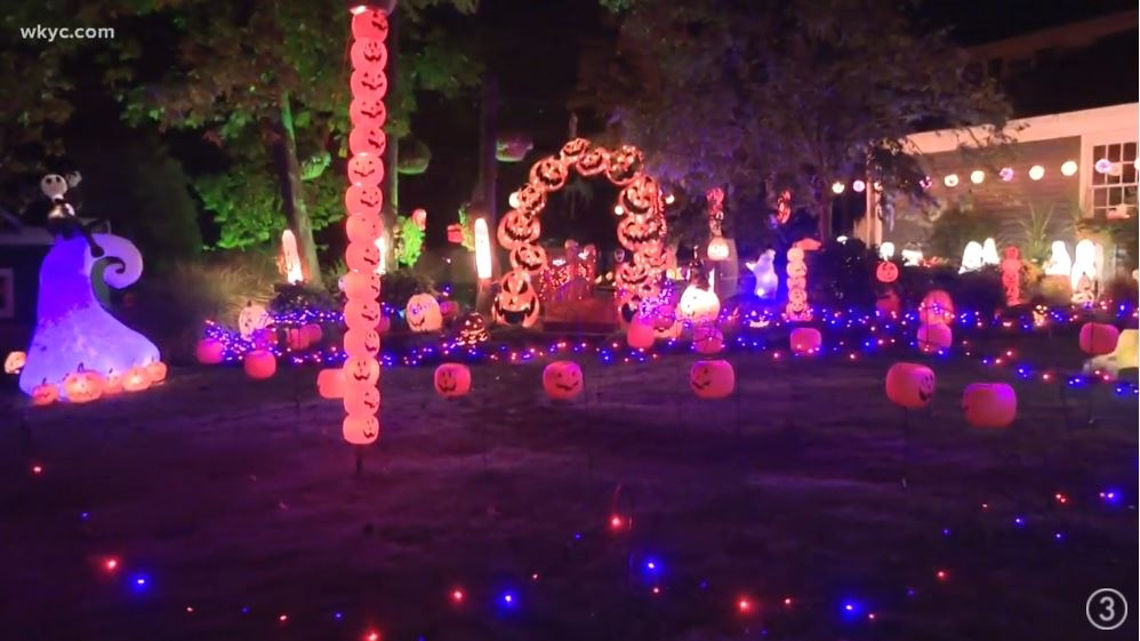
848 334
1068 169
364 226
1043 521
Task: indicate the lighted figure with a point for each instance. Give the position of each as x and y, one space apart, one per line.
1084 275
971 257
912 257
1011 275
767 282
887 250
990 252
290 260
73 331
1059 263
61 217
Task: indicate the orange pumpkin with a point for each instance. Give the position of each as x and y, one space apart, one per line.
113 383
330 383
887 272
910 385
157 371
83 386
639 334
991 405
563 380
210 351
934 338
361 399
259 364
361 429
452 380
136 379
44 394
712 379
15 362
936 307
1098 338
805 340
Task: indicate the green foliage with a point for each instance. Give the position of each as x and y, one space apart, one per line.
295 298
1035 231
466 225
954 228
843 275
397 286
409 242
1122 232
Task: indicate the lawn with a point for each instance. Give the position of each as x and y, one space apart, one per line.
232 510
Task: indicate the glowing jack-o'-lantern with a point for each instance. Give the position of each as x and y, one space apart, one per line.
368 140
361 313
361 429
528 257
517 302
157 371
639 334
362 228
934 337
368 52
112 383
313 332
452 380
361 399
360 371
259 364
363 199
634 232
573 150
563 380
708 340
14 362
805 340
989 405
83 386
367 110
517 228
362 257
362 342
369 22
549 173
910 385
1098 338
364 285
624 164
370 82
210 351
472 330
330 383
887 272
44 394
423 313
936 307
698 305
136 379
712 379
641 197
718 249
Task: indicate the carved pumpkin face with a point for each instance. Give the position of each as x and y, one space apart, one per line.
573 150
364 285
362 257
593 162
423 313
361 429
157 371
531 199
360 371
15 362
361 313
549 173
113 383
562 380
367 140
632 276
361 399
887 272
795 255
641 197
712 379
137 379
364 199
369 81
367 111
624 164
517 228
797 295
44 394
636 231
910 385
472 330
363 228
370 23
797 282
367 52
362 342
797 270
83 386
517 302
365 169
452 380
528 257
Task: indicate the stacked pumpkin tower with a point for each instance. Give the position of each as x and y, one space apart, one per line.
364 226
641 228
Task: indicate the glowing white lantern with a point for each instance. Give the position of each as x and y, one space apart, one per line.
1036 172
698 305
1059 263
1006 174
990 252
837 187
482 250
1103 166
951 180
382 245
290 257
912 257
1084 263
887 250
977 176
971 257
859 186
1069 167
513 200
842 240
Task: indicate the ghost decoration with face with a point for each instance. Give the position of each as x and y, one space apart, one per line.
423 314
767 282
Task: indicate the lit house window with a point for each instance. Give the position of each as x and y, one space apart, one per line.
1115 189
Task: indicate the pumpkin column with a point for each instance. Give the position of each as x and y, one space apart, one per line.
364 225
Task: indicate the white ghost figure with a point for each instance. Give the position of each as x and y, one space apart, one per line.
1084 263
767 282
971 257
1059 263
990 253
887 250
912 257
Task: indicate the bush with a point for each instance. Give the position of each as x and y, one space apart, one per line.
954 228
842 275
399 285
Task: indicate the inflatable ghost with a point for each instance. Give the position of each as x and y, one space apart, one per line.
990 253
767 282
1086 272
971 257
1059 263
72 328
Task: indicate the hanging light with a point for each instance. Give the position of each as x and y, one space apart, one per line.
669 199
1069 167
926 182
859 186
977 176
951 180
887 250
618 210
1006 174
1103 166
837 187
1036 172
513 200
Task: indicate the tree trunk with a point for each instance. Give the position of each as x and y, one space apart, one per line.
392 153
824 202
292 196
483 196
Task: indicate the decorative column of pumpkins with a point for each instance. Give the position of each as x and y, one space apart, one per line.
797 308
364 226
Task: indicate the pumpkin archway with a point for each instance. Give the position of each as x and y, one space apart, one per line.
641 226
